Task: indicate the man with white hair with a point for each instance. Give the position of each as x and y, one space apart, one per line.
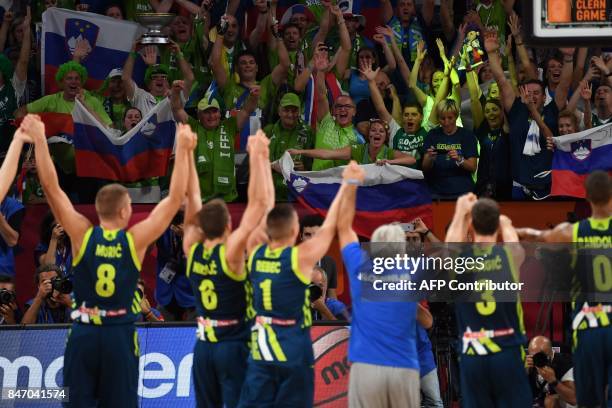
382 347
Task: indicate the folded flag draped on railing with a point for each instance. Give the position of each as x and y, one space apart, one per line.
110 41
141 153
389 194
576 156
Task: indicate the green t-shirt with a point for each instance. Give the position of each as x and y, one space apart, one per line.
360 153
193 53
281 139
115 111
235 95
296 59
133 7
411 144
214 156
331 136
64 153
493 16
56 103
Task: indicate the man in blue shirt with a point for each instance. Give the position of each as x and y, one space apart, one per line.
172 289
382 347
11 215
49 305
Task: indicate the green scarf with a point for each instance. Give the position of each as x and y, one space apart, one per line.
214 157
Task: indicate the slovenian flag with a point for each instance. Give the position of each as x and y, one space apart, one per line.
576 156
110 41
389 193
141 153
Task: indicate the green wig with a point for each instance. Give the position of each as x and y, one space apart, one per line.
6 68
71 66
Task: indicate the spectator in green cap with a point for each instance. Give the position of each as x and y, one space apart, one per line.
289 132
214 154
156 78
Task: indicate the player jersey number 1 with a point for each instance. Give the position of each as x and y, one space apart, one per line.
105 285
488 305
266 287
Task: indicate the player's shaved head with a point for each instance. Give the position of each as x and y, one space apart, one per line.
214 218
280 221
110 199
485 216
598 188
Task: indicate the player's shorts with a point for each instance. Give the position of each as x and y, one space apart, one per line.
275 385
495 380
593 366
101 366
218 372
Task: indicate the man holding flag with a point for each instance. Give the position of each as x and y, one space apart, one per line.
215 148
57 109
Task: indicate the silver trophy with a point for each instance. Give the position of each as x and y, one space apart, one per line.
154 22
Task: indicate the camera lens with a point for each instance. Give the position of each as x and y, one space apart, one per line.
540 359
62 285
315 292
6 296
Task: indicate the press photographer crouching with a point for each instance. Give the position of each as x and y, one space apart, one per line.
53 302
551 375
325 308
9 311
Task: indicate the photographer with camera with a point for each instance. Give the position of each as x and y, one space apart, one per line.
551 375
9 311
53 302
54 245
325 308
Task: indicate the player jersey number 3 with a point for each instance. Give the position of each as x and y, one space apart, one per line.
488 305
105 285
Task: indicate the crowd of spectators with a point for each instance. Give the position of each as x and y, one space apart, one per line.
448 87
441 86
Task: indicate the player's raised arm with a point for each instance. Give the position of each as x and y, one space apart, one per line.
260 234
192 231
509 235
148 230
11 161
458 229
257 206
312 250
561 233
74 224
346 214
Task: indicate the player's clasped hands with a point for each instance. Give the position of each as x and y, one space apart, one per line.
258 144
353 173
186 138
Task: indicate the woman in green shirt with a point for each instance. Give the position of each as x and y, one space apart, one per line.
375 151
